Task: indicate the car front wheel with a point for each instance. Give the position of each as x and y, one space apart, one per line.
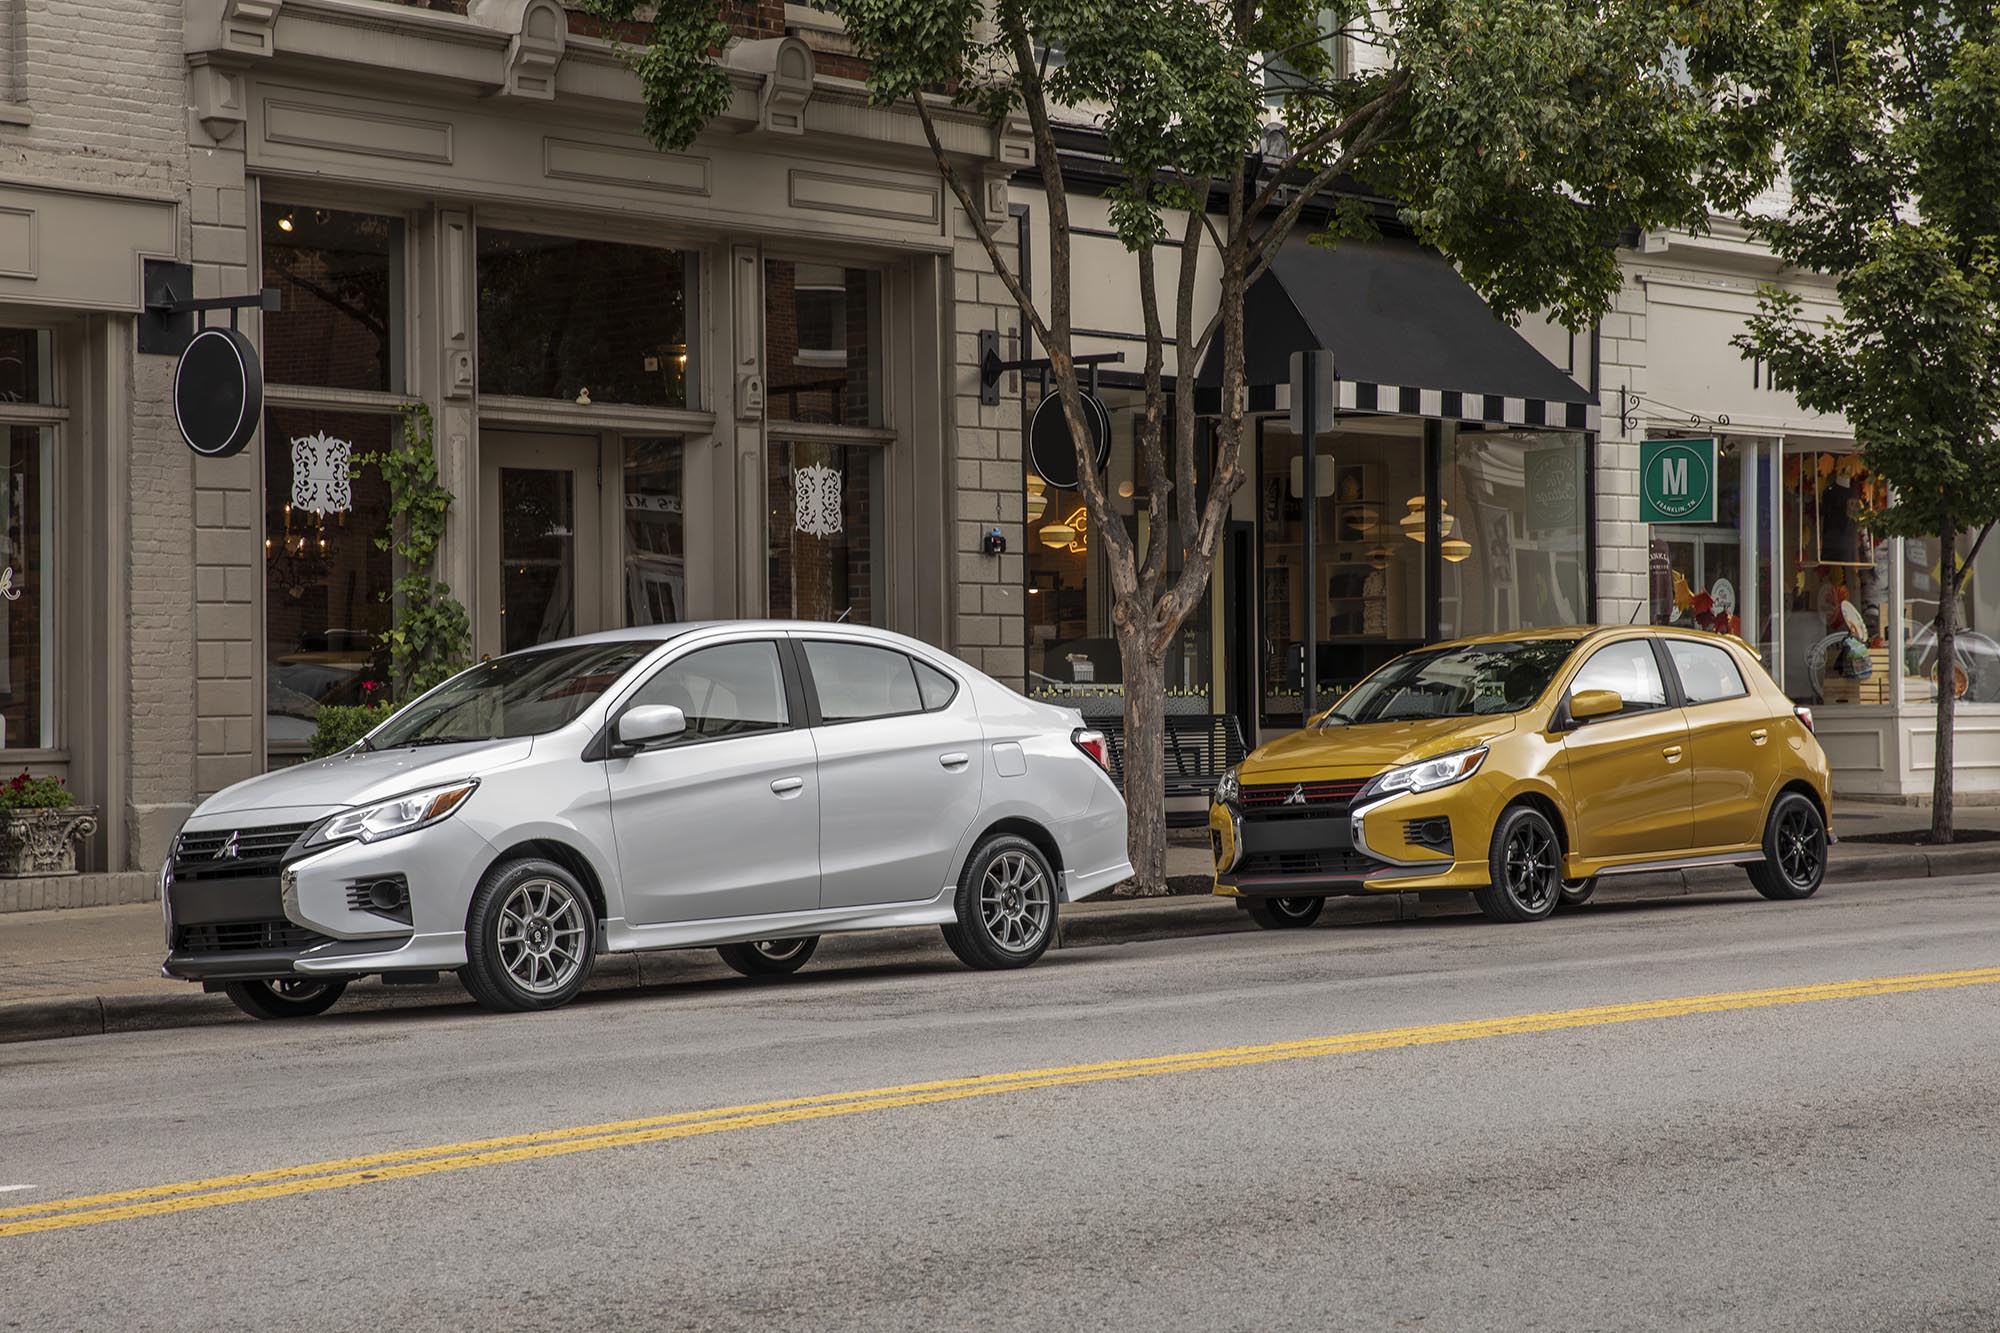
1794 863
300 997
1005 907
1576 892
529 937
1524 866
1285 913
770 958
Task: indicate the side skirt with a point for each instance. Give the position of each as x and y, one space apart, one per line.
1676 863
622 937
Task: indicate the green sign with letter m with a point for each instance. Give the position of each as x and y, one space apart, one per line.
1677 481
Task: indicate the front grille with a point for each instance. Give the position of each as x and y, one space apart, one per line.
1287 800
245 937
229 853
1333 864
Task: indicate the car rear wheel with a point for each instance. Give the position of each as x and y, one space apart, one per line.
530 936
770 958
1794 864
1576 892
1295 913
1006 905
302 997
1524 866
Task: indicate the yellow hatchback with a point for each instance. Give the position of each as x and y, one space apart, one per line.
1522 767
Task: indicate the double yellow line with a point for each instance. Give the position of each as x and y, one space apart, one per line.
220 1191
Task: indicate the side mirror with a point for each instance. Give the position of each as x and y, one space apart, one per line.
1587 704
651 724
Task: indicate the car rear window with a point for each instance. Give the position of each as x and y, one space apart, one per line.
1708 671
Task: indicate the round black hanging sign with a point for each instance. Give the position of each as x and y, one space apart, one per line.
218 393
1049 445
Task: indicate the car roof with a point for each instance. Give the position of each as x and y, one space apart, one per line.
658 634
1581 632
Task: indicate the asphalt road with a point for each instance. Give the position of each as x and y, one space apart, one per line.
1346 1127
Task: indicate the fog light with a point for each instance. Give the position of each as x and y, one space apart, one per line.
388 895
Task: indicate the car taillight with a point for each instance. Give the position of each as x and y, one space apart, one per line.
1093 744
1804 715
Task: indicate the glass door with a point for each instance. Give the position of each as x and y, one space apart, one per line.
539 545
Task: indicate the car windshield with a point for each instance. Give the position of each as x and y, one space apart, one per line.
522 694
1502 677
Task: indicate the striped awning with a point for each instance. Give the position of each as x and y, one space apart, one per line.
1409 337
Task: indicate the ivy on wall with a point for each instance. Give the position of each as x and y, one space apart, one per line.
430 636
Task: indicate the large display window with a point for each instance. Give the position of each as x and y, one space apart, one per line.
340 279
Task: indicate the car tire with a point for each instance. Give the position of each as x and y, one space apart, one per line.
1524 868
1280 913
302 997
770 958
1576 892
1005 905
1794 864
530 937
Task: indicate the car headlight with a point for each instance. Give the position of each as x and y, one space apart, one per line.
1227 792
387 819
1426 775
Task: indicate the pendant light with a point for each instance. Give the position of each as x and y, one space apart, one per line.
1057 536
1457 548
1038 500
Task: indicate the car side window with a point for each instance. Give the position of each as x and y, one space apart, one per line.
732 689
1708 673
936 688
856 681
1629 668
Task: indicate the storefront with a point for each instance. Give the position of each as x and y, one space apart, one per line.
1452 496
1755 525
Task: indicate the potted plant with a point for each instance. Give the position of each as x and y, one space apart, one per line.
40 824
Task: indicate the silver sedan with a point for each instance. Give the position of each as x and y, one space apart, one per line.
738 785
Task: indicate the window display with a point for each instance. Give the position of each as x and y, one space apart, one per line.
1836 579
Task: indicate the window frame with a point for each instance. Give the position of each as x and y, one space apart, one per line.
788 672
1679 683
50 421
817 718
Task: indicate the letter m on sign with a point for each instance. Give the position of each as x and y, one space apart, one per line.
1673 476
1677 481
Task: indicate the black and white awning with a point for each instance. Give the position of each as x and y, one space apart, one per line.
1408 338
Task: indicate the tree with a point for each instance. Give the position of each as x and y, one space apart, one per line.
1521 137
1895 189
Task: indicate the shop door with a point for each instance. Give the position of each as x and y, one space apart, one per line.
539 548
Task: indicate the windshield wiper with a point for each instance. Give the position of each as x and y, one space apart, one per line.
414 742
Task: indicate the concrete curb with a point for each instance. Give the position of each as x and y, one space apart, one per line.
1087 925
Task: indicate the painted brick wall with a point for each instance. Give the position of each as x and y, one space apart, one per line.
1621 538
990 629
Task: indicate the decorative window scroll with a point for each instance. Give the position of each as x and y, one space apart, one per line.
816 504
321 475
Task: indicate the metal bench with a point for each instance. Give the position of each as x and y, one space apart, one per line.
1200 748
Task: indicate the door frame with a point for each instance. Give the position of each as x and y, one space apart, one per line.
582 455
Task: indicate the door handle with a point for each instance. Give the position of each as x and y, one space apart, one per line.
786 786
956 759
1673 754
1760 735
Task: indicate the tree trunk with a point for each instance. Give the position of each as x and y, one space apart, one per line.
1145 673
1947 696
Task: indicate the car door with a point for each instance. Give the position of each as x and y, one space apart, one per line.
1629 774
724 821
1731 741
898 743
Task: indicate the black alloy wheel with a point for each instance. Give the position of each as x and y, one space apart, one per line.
770 958
1576 892
1524 867
1794 864
288 997
1292 913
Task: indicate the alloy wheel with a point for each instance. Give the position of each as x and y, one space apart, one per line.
1801 845
782 951
1295 908
1531 868
542 928
1015 903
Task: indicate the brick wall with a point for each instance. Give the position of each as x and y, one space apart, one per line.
1621 537
991 630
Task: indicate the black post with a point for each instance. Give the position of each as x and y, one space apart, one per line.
1309 685
1433 532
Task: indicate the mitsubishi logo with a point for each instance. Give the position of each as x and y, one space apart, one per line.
229 851
1298 795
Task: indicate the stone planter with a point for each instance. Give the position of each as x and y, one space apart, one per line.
43 842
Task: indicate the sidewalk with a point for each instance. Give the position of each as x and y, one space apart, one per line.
95 970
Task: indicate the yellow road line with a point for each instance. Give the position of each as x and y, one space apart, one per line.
218 1191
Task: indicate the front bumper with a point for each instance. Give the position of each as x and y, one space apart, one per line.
1393 845
309 914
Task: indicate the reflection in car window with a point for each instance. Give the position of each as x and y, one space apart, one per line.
1501 677
1629 668
1708 673
521 694
936 687
857 681
732 689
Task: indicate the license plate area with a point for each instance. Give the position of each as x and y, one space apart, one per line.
1298 835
